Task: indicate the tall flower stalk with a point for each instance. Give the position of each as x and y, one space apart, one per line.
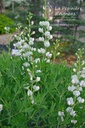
75 101
30 56
25 50
45 29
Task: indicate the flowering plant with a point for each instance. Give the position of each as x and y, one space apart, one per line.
36 92
76 98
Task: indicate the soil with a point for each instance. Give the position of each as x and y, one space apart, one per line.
69 60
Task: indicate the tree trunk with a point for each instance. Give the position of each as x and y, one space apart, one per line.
1 6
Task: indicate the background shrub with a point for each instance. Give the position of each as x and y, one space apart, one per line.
6 22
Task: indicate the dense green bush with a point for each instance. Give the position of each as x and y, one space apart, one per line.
18 111
6 22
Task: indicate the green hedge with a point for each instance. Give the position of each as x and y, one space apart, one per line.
6 22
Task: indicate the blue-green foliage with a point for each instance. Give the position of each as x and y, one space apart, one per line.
17 110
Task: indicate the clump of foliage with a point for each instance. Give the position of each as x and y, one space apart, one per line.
36 92
6 22
18 111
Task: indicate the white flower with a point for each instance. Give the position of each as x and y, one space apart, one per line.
58 53
26 64
74 69
51 37
27 54
48 54
73 113
41 50
37 60
74 121
83 62
47 34
33 49
70 101
50 18
31 77
37 79
83 72
61 113
18 44
1 107
30 58
7 29
82 83
80 100
28 70
29 93
76 93
31 41
41 30
25 46
22 67
33 33
78 88
41 23
75 80
69 109
74 76
71 88
16 52
36 88
83 75
38 71
41 38
32 22
46 23
49 28
32 101
46 43
47 60
83 69
62 119
26 88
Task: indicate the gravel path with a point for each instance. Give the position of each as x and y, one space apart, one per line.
6 38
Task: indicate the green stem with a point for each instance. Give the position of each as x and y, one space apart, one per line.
45 11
